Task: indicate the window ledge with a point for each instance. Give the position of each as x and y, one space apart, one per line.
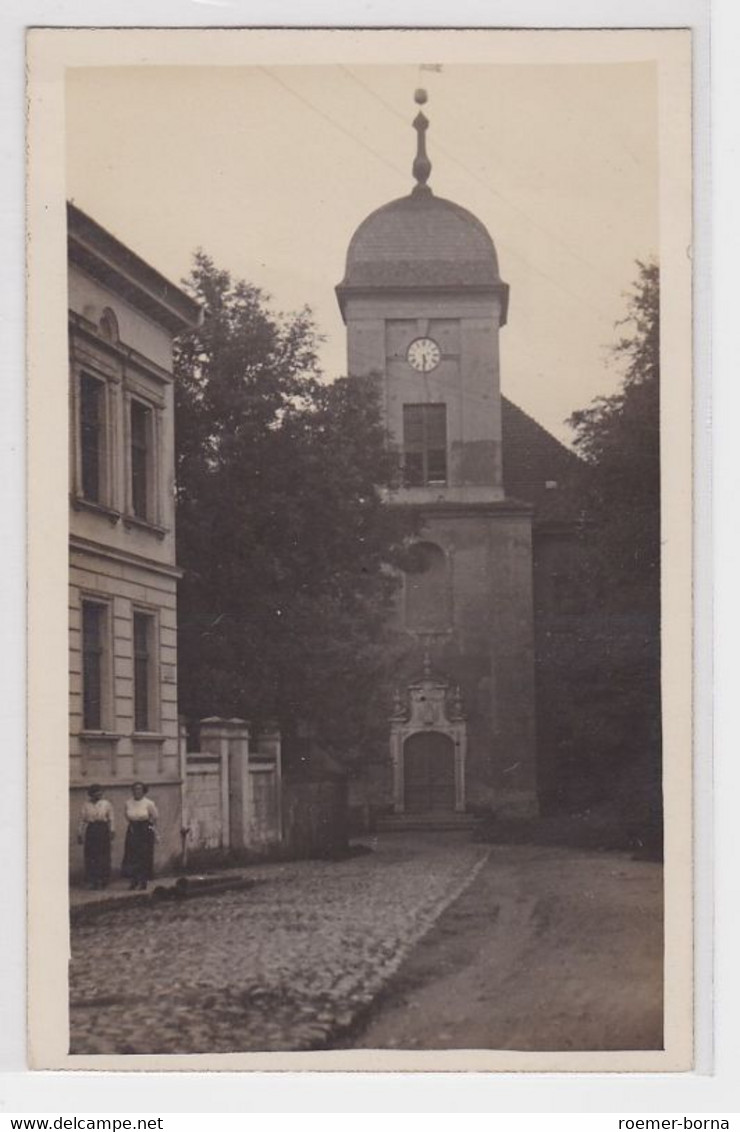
149 737
100 736
81 504
145 525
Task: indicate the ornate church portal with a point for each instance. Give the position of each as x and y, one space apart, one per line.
423 302
428 748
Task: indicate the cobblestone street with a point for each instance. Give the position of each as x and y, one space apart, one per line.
286 965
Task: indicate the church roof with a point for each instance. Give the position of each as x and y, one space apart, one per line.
537 468
421 241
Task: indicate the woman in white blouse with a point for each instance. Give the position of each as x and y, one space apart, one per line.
138 852
95 833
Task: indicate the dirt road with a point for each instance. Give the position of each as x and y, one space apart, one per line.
548 949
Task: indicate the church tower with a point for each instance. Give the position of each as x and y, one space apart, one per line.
424 303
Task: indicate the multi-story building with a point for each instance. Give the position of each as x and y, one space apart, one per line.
123 316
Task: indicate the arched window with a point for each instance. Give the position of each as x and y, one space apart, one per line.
109 325
427 589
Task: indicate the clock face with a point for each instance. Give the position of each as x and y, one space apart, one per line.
424 354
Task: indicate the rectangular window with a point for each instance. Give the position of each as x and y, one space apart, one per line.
94 616
425 444
141 460
144 697
92 437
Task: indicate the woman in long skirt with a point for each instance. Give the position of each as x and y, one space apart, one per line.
141 834
95 834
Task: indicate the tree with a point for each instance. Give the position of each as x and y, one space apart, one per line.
618 438
283 537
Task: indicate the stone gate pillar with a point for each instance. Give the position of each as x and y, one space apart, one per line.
228 739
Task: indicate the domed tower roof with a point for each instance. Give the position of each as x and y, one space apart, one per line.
421 242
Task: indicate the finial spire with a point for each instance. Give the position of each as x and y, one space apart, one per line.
422 166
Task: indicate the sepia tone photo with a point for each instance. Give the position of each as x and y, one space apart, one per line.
373 429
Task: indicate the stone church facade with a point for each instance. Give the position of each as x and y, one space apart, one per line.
424 305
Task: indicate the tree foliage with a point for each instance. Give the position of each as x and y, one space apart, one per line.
619 438
284 539
617 707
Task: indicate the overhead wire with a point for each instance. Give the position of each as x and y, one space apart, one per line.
510 249
561 289
484 184
332 121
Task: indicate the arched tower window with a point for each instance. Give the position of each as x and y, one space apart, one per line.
427 589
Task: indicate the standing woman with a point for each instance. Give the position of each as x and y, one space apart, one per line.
95 833
138 852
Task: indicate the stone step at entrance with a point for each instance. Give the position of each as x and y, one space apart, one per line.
427 821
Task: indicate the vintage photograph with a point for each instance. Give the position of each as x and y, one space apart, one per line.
366 723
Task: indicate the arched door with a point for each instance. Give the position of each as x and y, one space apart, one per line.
429 773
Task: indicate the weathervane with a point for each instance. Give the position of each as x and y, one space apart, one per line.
422 166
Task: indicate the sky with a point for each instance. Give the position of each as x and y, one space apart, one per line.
271 169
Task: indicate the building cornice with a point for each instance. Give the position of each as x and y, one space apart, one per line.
504 508
102 550
98 253
346 291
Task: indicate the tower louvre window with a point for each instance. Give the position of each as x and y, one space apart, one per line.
424 445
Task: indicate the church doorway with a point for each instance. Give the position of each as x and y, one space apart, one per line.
429 773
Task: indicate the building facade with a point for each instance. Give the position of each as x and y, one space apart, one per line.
123 316
424 304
